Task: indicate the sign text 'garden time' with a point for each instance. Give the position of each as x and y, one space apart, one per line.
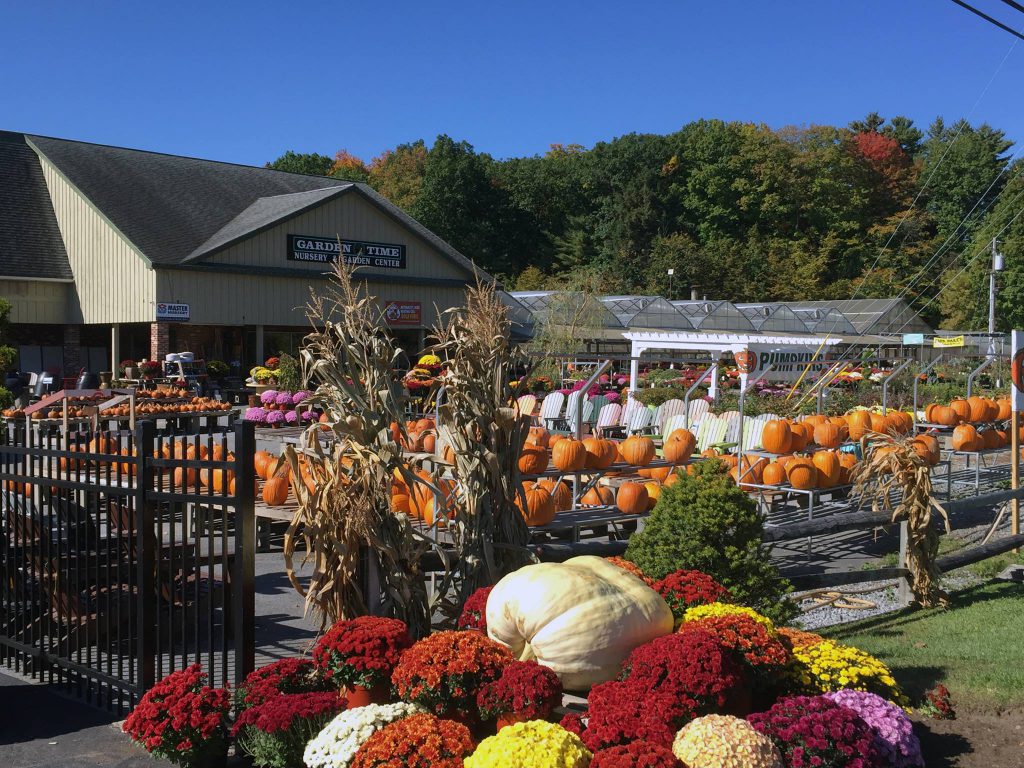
325 250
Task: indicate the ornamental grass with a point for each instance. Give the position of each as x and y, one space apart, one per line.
525 688
721 741
417 741
533 744
685 588
275 732
895 741
636 754
445 671
814 731
829 666
336 745
362 651
181 718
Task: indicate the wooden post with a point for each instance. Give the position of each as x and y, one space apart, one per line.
904 593
1015 471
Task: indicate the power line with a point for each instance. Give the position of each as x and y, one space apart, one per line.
990 20
1014 5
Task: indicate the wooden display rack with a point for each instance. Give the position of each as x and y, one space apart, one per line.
114 397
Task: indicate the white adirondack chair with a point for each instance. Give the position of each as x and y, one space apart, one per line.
732 427
710 431
560 423
670 409
526 404
607 417
640 420
697 410
551 407
753 428
672 424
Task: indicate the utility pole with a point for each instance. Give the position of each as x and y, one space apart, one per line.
997 266
671 272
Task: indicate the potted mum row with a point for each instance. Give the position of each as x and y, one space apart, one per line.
278 408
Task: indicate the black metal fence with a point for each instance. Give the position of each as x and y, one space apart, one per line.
126 556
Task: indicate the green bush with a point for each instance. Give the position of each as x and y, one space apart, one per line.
704 522
6 398
217 369
8 357
655 396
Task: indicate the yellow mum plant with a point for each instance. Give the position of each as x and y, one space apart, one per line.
829 666
726 609
722 741
533 744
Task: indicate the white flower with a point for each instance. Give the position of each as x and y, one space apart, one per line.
337 743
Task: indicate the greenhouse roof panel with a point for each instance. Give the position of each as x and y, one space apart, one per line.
646 312
714 315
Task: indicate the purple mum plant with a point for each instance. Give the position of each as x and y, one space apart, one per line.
895 740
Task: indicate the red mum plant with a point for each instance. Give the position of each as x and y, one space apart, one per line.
622 712
756 646
474 611
525 689
362 651
630 566
284 676
683 589
636 754
694 665
444 672
276 732
938 704
418 741
815 731
181 718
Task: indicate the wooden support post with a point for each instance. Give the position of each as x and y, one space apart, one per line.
1015 471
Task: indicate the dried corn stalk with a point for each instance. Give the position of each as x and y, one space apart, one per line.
895 479
477 420
344 509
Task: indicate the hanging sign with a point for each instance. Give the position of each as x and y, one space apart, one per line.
1017 369
746 361
172 312
948 341
913 339
358 253
787 363
403 313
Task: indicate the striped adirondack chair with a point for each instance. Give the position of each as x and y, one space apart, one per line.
732 427
710 432
697 410
567 424
607 417
551 407
526 405
670 409
753 428
619 429
672 424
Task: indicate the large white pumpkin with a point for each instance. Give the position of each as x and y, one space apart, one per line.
581 618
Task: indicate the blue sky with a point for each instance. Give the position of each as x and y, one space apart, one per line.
243 82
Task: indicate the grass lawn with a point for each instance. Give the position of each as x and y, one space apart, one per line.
974 647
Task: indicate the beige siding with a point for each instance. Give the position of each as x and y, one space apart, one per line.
113 282
349 217
37 302
235 299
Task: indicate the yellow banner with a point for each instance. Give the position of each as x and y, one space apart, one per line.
948 341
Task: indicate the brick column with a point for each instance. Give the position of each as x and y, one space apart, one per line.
72 350
159 341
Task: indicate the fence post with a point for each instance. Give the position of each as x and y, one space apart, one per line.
903 592
145 546
243 579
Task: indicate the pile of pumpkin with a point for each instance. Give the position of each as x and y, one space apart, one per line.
422 435
972 410
276 475
157 408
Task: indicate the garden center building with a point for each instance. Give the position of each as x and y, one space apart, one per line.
109 253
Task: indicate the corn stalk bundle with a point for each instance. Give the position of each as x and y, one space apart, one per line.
894 478
344 511
478 421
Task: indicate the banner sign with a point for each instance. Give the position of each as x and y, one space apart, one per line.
359 253
1017 369
403 313
913 339
172 312
787 364
948 341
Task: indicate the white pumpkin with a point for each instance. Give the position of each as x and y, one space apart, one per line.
581 618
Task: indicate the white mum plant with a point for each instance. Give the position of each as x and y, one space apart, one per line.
337 743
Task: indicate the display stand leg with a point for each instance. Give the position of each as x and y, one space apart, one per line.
1015 472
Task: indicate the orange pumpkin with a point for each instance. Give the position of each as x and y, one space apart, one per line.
828 468
400 504
827 435
632 498
847 462
927 447
858 423
263 462
561 494
815 419
961 408
275 491
533 460
1004 437
978 408
1003 409
538 436
965 438
990 440
655 473
540 507
599 496
653 493
638 451
774 474
801 473
184 478
601 453
679 446
801 436
900 423
879 423
569 455
428 441
777 437
942 414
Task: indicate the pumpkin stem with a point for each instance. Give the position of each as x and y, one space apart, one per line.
527 654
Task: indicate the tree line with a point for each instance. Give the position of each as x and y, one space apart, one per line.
740 211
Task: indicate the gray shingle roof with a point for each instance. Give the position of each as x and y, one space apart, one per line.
30 240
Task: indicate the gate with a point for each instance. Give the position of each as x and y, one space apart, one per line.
126 555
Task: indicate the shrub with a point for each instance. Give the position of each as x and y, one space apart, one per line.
217 369
8 357
284 676
811 730
276 732
6 397
704 522
636 754
418 741
474 611
362 651
525 688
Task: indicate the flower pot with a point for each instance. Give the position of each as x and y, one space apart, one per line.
216 756
131 373
510 718
360 696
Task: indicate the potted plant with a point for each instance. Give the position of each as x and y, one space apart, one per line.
128 369
361 654
217 370
149 369
525 691
276 731
183 720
